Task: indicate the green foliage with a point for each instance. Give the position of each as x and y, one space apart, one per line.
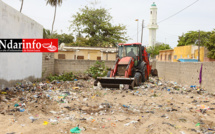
207 39
62 38
192 37
64 77
211 45
54 2
97 70
46 33
95 25
155 50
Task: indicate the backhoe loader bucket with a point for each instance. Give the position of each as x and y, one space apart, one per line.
112 82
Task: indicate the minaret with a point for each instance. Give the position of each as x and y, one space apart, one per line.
152 25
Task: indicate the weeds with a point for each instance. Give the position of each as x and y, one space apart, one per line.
63 77
97 70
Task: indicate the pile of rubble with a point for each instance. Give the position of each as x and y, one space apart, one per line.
77 106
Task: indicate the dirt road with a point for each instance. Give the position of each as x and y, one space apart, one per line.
156 107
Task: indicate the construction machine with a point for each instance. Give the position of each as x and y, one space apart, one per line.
131 67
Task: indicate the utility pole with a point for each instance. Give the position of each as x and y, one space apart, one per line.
142 32
199 48
137 28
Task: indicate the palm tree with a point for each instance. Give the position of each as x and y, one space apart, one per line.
54 3
21 6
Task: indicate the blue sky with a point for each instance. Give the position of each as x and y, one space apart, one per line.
200 16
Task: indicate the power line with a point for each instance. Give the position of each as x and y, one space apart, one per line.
179 11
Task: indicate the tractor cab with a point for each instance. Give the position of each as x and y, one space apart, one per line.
130 50
131 67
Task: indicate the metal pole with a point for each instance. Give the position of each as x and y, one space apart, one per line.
199 48
137 30
142 32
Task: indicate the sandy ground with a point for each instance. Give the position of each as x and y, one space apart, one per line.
150 109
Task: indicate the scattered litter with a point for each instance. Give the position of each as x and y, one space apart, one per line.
60 103
75 130
45 123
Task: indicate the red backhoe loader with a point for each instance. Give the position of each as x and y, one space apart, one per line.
131 67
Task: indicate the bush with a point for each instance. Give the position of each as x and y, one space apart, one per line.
154 50
97 70
64 77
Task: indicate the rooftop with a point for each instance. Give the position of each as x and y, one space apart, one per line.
74 48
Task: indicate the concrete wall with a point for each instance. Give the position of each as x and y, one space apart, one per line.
68 54
88 55
109 56
188 73
187 52
196 52
17 66
62 66
165 55
48 64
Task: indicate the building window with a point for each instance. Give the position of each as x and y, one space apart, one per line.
175 57
80 57
61 56
99 58
74 57
151 12
188 56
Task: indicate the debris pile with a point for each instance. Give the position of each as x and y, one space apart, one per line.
77 106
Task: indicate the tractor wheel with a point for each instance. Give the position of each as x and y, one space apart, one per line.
132 85
95 82
144 74
154 72
138 78
108 73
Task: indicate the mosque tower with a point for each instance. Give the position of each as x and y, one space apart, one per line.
152 25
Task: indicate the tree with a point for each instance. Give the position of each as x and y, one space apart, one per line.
46 33
154 50
62 38
21 5
191 37
207 39
95 25
211 45
54 3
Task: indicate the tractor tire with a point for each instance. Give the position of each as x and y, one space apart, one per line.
144 74
108 73
96 83
132 85
138 78
154 72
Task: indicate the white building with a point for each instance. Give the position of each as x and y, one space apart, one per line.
15 66
152 25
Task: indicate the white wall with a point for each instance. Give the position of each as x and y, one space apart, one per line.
15 66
